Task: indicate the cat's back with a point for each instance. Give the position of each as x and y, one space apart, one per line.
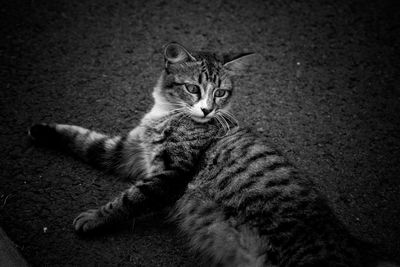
243 162
246 174
254 186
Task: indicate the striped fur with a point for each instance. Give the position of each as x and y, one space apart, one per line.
255 190
238 199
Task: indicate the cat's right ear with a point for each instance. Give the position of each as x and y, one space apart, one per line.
238 64
176 53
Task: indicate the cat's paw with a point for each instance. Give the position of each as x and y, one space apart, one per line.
87 221
43 133
39 131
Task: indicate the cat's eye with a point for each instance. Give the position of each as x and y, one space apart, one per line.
193 89
220 93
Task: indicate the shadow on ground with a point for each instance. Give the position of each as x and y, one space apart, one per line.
327 94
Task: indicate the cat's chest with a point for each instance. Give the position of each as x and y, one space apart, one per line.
175 140
177 130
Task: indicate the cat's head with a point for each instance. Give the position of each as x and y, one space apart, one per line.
199 84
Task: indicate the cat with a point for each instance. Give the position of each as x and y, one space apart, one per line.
236 197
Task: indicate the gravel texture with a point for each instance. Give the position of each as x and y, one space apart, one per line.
327 93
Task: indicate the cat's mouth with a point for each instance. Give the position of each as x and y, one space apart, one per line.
201 119
202 116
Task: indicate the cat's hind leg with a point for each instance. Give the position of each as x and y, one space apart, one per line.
95 148
218 238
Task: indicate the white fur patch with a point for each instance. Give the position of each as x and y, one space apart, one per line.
160 108
111 143
72 128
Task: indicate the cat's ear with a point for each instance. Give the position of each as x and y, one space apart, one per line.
176 53
237 64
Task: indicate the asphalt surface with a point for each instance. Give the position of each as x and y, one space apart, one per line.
327 93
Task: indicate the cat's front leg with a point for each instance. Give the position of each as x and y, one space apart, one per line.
100 150
128 204
146 195
91 146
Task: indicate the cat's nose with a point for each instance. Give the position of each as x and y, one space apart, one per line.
206 111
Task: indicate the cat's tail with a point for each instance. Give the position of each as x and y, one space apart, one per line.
100 150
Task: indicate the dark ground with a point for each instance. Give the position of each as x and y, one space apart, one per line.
327 94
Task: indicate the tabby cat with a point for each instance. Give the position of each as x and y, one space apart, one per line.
240 202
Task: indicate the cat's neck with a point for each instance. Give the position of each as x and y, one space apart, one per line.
161 106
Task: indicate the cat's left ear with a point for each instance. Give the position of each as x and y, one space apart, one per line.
237 64
176 53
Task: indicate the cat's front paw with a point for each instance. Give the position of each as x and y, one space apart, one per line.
87 221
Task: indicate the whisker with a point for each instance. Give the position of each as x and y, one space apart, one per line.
227 124
184 115
171 103
177 109
222 125
230 117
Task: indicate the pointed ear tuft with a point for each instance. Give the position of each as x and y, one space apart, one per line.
237 64
176 53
